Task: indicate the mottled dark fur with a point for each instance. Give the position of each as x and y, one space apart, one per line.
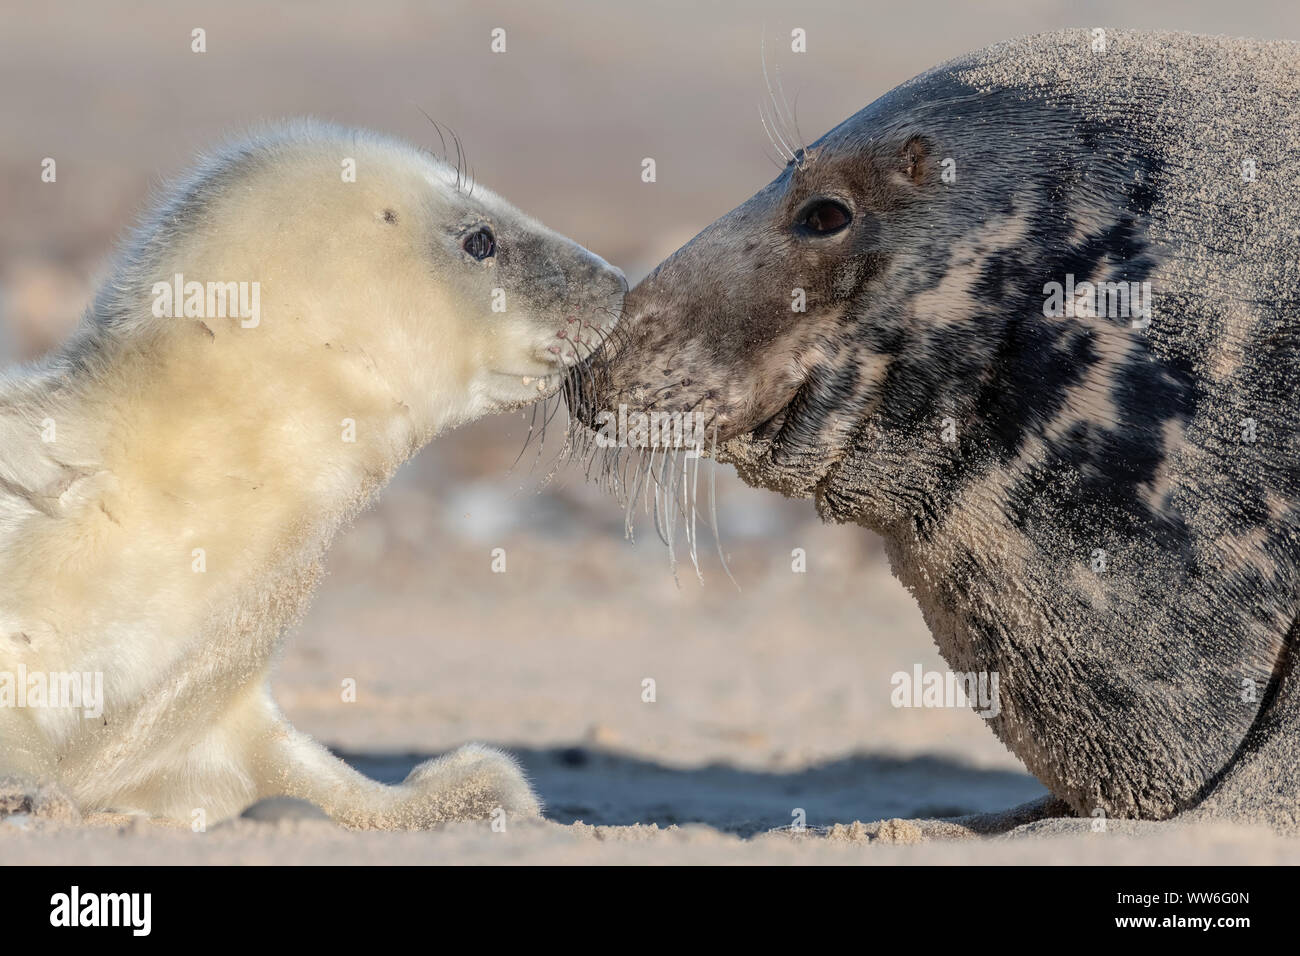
1102 533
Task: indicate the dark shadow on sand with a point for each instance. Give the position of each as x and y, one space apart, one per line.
599 786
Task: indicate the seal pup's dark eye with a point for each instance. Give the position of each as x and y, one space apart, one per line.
480 244
825 217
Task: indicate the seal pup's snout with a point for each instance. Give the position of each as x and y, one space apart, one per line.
593 305
553 304
615 274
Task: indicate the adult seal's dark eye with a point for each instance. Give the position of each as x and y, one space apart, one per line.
825 218
480 244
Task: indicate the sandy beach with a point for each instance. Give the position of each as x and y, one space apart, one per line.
772 700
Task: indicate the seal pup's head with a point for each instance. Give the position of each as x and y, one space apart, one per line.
376 269
289 323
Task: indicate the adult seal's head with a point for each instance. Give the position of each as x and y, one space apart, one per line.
1031 316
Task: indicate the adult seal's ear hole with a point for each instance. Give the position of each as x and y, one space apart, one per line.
389 216
916 156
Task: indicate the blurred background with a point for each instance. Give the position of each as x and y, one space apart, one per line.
767 698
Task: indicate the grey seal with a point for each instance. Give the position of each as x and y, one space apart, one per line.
1049 353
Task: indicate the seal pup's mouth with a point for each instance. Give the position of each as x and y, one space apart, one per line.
511 391
551 370
539 385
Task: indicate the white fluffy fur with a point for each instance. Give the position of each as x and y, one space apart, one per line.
177 434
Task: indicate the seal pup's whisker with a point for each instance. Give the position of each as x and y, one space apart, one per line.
527 438
541 444
438 129
459 155
632 478
639 477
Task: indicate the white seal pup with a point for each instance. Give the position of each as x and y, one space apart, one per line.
290 323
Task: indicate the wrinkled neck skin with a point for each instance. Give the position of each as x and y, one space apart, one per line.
1088 689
